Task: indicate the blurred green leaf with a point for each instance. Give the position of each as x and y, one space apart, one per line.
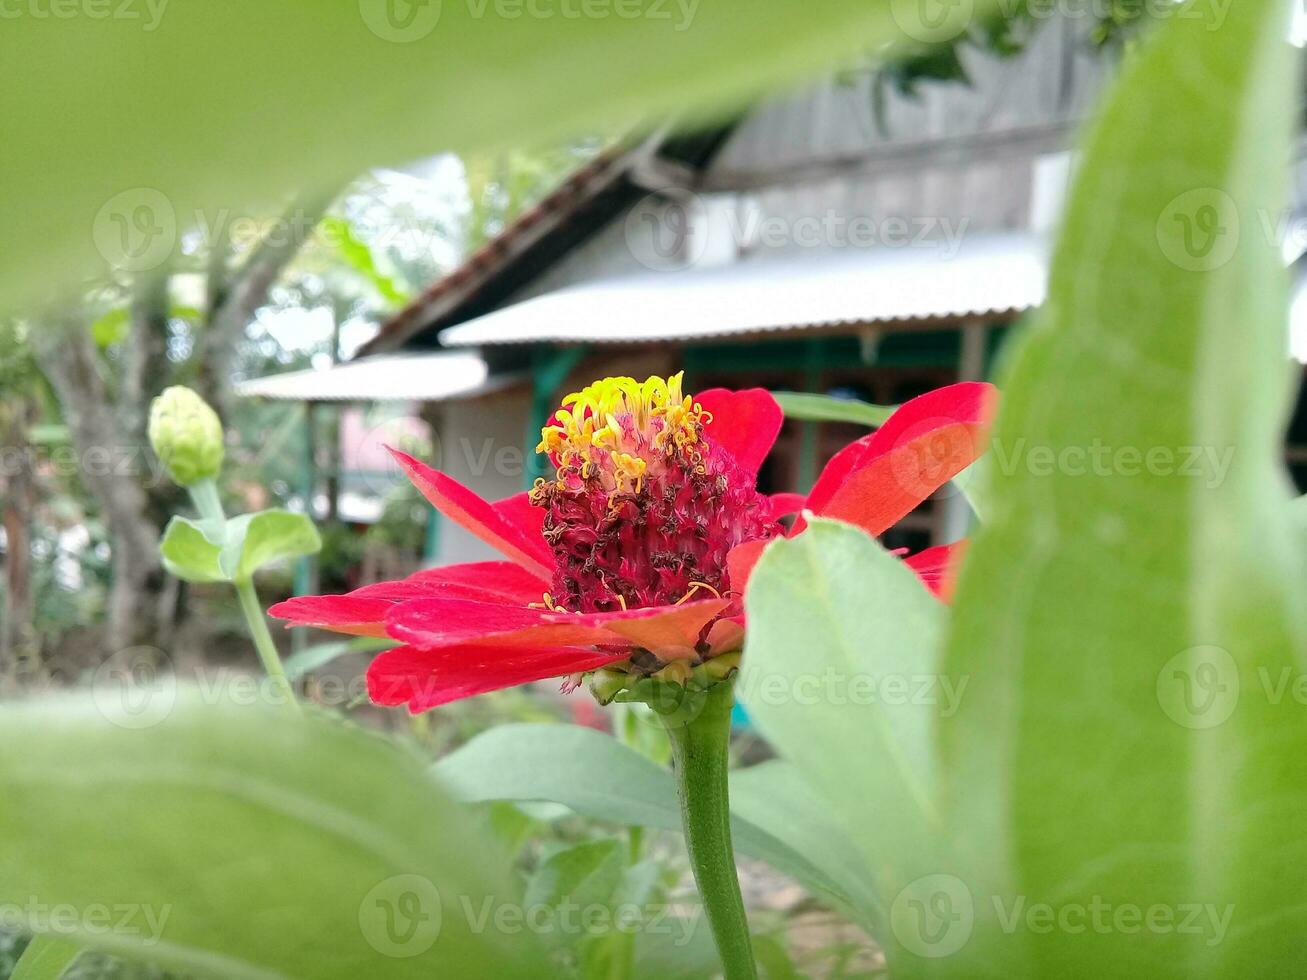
318 655
840 672
246 843
191 550
111 328
201 551
255 540
1126 625
359 257
597 776
324 92
823 408
45 958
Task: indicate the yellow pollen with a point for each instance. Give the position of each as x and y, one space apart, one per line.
614 429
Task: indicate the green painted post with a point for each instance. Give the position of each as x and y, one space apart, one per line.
549 370
810 431
308 487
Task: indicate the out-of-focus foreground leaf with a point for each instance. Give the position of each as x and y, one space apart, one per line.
126 124
597 776
1127 759
243 842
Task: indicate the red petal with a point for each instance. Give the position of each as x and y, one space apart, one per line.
433 623
938 567
339 613
522 514
489 581
925 444
726 636
744 423
671 632
503 530
783 504
424 679
363 611
971 403
740 561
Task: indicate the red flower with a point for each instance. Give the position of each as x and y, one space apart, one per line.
636 554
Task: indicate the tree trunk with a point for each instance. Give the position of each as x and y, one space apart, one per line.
67 356
19 644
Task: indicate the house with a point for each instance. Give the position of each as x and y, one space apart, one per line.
817 243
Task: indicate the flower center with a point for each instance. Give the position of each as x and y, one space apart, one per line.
644 507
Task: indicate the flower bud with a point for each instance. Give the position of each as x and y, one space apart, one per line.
186 435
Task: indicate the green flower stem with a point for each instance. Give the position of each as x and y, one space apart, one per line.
699 757
204 494
258 625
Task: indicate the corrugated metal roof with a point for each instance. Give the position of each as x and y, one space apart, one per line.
439 376
985 276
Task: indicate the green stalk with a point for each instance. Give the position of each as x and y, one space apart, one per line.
699 758
204 494
258 625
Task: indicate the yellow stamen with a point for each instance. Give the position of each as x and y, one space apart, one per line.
614 428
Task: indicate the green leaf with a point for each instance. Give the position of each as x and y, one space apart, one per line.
840 672
823 408
191 550
318 655
597 776
330 101
1126 620
246 842
359 257
203 551
571 880
256 540
111 328
45 958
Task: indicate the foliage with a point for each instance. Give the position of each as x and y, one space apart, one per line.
1089 745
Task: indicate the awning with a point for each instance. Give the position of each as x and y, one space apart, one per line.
983 276
439 376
